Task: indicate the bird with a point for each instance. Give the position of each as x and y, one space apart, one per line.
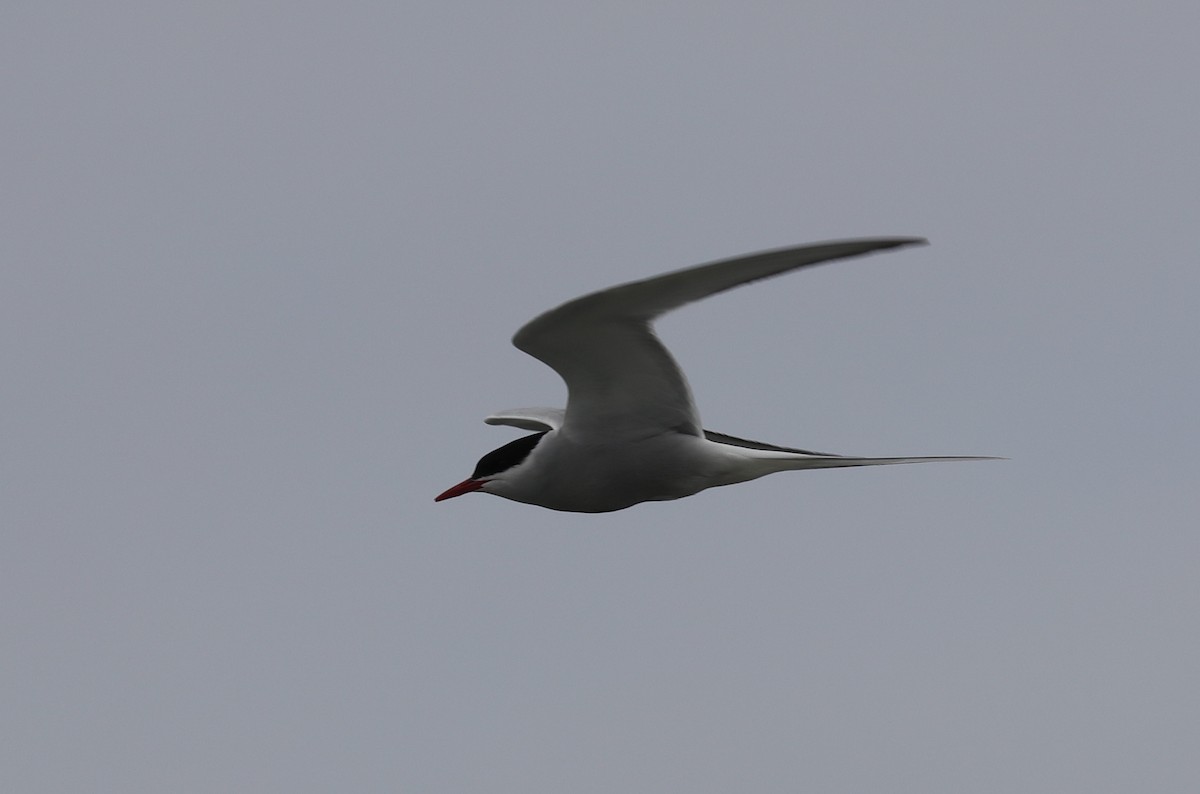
630 432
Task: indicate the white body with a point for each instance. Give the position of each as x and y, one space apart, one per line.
597 476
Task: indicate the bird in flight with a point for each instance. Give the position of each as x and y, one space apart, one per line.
630 432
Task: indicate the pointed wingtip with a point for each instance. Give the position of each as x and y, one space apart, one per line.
883 243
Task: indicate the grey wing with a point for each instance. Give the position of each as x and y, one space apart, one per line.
536 419
807 459
621 380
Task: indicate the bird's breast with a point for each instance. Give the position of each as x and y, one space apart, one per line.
596 476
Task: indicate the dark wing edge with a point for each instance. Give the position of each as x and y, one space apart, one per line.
745 443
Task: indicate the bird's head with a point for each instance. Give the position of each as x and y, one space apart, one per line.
495 468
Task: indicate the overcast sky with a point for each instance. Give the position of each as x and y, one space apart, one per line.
261 263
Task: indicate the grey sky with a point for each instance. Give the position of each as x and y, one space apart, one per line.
261 264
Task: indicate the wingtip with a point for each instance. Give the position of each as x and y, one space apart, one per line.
888 243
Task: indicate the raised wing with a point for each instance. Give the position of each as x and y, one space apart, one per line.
537 419
621 381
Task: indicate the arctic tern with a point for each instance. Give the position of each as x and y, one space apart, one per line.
630 432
